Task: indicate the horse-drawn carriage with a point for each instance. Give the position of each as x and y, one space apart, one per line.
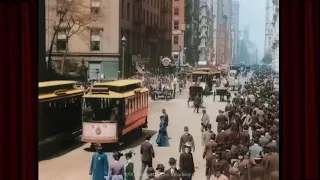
162 94
222 92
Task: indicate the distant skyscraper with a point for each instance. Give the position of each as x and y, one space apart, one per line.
235 30
268 28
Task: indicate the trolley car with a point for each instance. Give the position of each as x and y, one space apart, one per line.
114 109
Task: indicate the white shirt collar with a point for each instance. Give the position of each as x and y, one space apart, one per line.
161 173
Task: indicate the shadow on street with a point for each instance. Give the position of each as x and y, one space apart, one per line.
131 141
63 148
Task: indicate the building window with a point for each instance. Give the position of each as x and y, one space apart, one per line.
95 6
128 11
176 11
147 18
175 39
62 40
176 25
95 39
144 15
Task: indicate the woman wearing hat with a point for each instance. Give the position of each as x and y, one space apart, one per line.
99 165
116 171
129 169
162 138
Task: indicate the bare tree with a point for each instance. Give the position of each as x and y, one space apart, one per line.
72 18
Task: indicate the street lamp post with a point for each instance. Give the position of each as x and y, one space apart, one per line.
123 40
179 59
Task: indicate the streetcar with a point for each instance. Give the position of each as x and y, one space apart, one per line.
59 114
114 109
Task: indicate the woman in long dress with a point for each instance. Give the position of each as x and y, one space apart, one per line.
129 169
99 165
162 139
116 171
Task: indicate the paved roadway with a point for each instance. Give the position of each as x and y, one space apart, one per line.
74 164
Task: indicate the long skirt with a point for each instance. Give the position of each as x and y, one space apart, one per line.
162 139
117 177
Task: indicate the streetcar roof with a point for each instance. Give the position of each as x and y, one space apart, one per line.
119 83
200 72
112 94
54 83
67 93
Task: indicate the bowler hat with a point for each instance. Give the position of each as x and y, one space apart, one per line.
150 170
160 166
98 146
172 160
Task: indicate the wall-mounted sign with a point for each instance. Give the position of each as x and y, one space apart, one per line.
166 61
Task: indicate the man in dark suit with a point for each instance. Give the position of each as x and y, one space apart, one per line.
271 163
186 163
257 171
162 175
222 137
221 120
196 103
147 154
245 136
173 173
186 137
166 119
208 151
263 140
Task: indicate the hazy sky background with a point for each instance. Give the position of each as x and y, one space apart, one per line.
252 13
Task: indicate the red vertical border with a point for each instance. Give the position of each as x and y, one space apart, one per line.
299 73
299 66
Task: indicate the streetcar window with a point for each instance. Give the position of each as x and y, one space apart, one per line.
127 106
130 106
142 101
101 107
140 105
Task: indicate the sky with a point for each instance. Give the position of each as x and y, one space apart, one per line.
252 13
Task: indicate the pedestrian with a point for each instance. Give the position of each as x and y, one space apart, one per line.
166 121
271 164
205 120
218 175
162 176
129 169
207 135
221 120
243 165
255 149
245 136
150 173
234 173
222 136
186 163
116 171
196 103
173 172
147 154
263 140
162 139
208 152
186 137
257 171
99 167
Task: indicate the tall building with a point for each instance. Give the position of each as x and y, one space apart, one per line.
96 42
214 31
146 26
191 33
235 31
275 38
205 30
268 29
224 43
178 27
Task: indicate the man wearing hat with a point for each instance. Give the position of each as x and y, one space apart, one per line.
151 173
209 150
205 120
162 175
218 173
173 173
186 163
257 171
221 119
99 168
271 163
207 135
245 136
255 149
263 140
147 154
222 136
234 173
186 137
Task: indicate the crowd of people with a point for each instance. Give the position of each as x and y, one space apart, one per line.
243 147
